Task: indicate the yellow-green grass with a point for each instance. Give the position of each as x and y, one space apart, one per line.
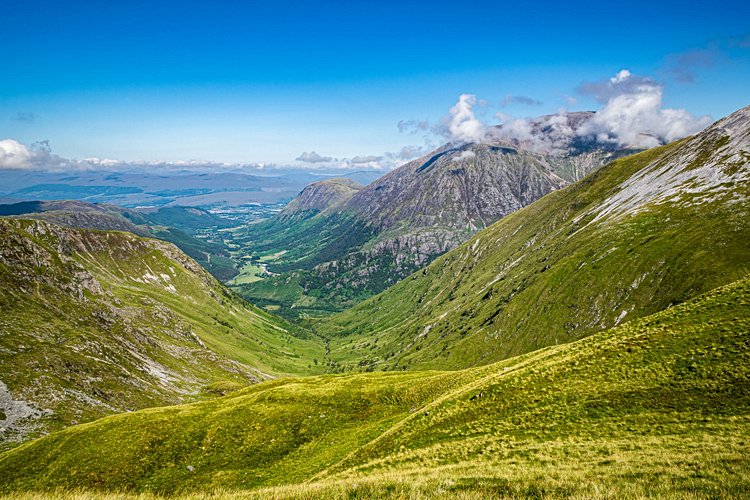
659 406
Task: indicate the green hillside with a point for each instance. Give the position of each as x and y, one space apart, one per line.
643 233
193 230
95 323
657 406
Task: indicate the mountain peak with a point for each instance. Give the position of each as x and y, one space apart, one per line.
320 196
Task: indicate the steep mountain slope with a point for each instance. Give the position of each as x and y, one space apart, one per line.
346 252
645 232
656 407
94 323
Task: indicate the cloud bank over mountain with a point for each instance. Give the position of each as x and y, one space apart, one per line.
631 114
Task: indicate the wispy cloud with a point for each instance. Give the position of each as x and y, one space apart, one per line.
359 160
313 157
24 117
688 65
520 99
742 41
683 67
622 83
39 156
413 126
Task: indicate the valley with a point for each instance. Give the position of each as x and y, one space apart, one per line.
485 321
487 250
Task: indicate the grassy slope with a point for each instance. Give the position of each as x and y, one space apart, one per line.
658 405
137 342
544 276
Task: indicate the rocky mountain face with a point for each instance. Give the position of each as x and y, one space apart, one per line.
320 196
94 323
364 241
641 234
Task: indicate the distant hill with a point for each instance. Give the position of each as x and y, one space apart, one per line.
74 213
135 186
343 252
102 322
178 225
637 236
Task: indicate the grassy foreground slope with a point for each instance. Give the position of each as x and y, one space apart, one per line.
643 233
659 405
94 323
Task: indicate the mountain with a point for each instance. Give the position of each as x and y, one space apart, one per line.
157 185
319 197
641 234
343 252
71 213
655 407
95 323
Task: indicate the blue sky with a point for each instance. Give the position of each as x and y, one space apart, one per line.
265 81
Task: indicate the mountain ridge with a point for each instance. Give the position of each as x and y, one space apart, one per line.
548 421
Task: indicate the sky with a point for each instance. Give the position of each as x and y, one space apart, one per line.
314 82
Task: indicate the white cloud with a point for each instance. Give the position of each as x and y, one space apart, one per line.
357 160
632 115
313 157
462 124
550 134
465 155
14 155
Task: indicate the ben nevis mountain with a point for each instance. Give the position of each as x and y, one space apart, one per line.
592 342
339 243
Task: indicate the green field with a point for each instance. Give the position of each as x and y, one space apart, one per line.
249 273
